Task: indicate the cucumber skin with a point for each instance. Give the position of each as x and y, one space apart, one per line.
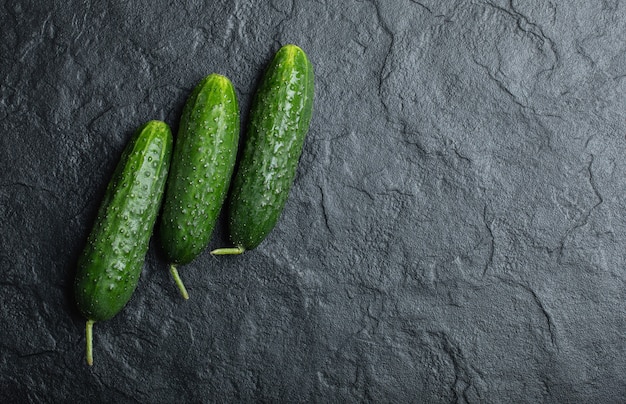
111 263
279 121
202 166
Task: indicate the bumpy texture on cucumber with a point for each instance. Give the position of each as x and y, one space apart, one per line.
202 166
279 121
110 265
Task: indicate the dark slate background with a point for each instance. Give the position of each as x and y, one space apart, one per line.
456 231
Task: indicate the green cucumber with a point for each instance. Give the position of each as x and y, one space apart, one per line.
202 166
279 121
110 264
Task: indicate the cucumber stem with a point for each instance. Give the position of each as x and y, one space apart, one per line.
179 282
89 338
228 251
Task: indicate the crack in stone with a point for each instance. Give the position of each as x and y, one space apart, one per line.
585 218
533 29
500 83
38 353
412 134
383 74
30 187
461 374
361 190
503 86
287 15
550 326
492 244
422 6
324 210
459 155
140 336
536 32
594 186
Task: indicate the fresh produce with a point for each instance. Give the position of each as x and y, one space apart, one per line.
279 121
202 166
111 263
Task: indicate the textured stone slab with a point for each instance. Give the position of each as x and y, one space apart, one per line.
455 233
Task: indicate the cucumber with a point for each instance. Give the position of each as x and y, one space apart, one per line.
202 166
110 265
279 121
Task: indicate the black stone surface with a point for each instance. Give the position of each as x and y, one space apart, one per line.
456 231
